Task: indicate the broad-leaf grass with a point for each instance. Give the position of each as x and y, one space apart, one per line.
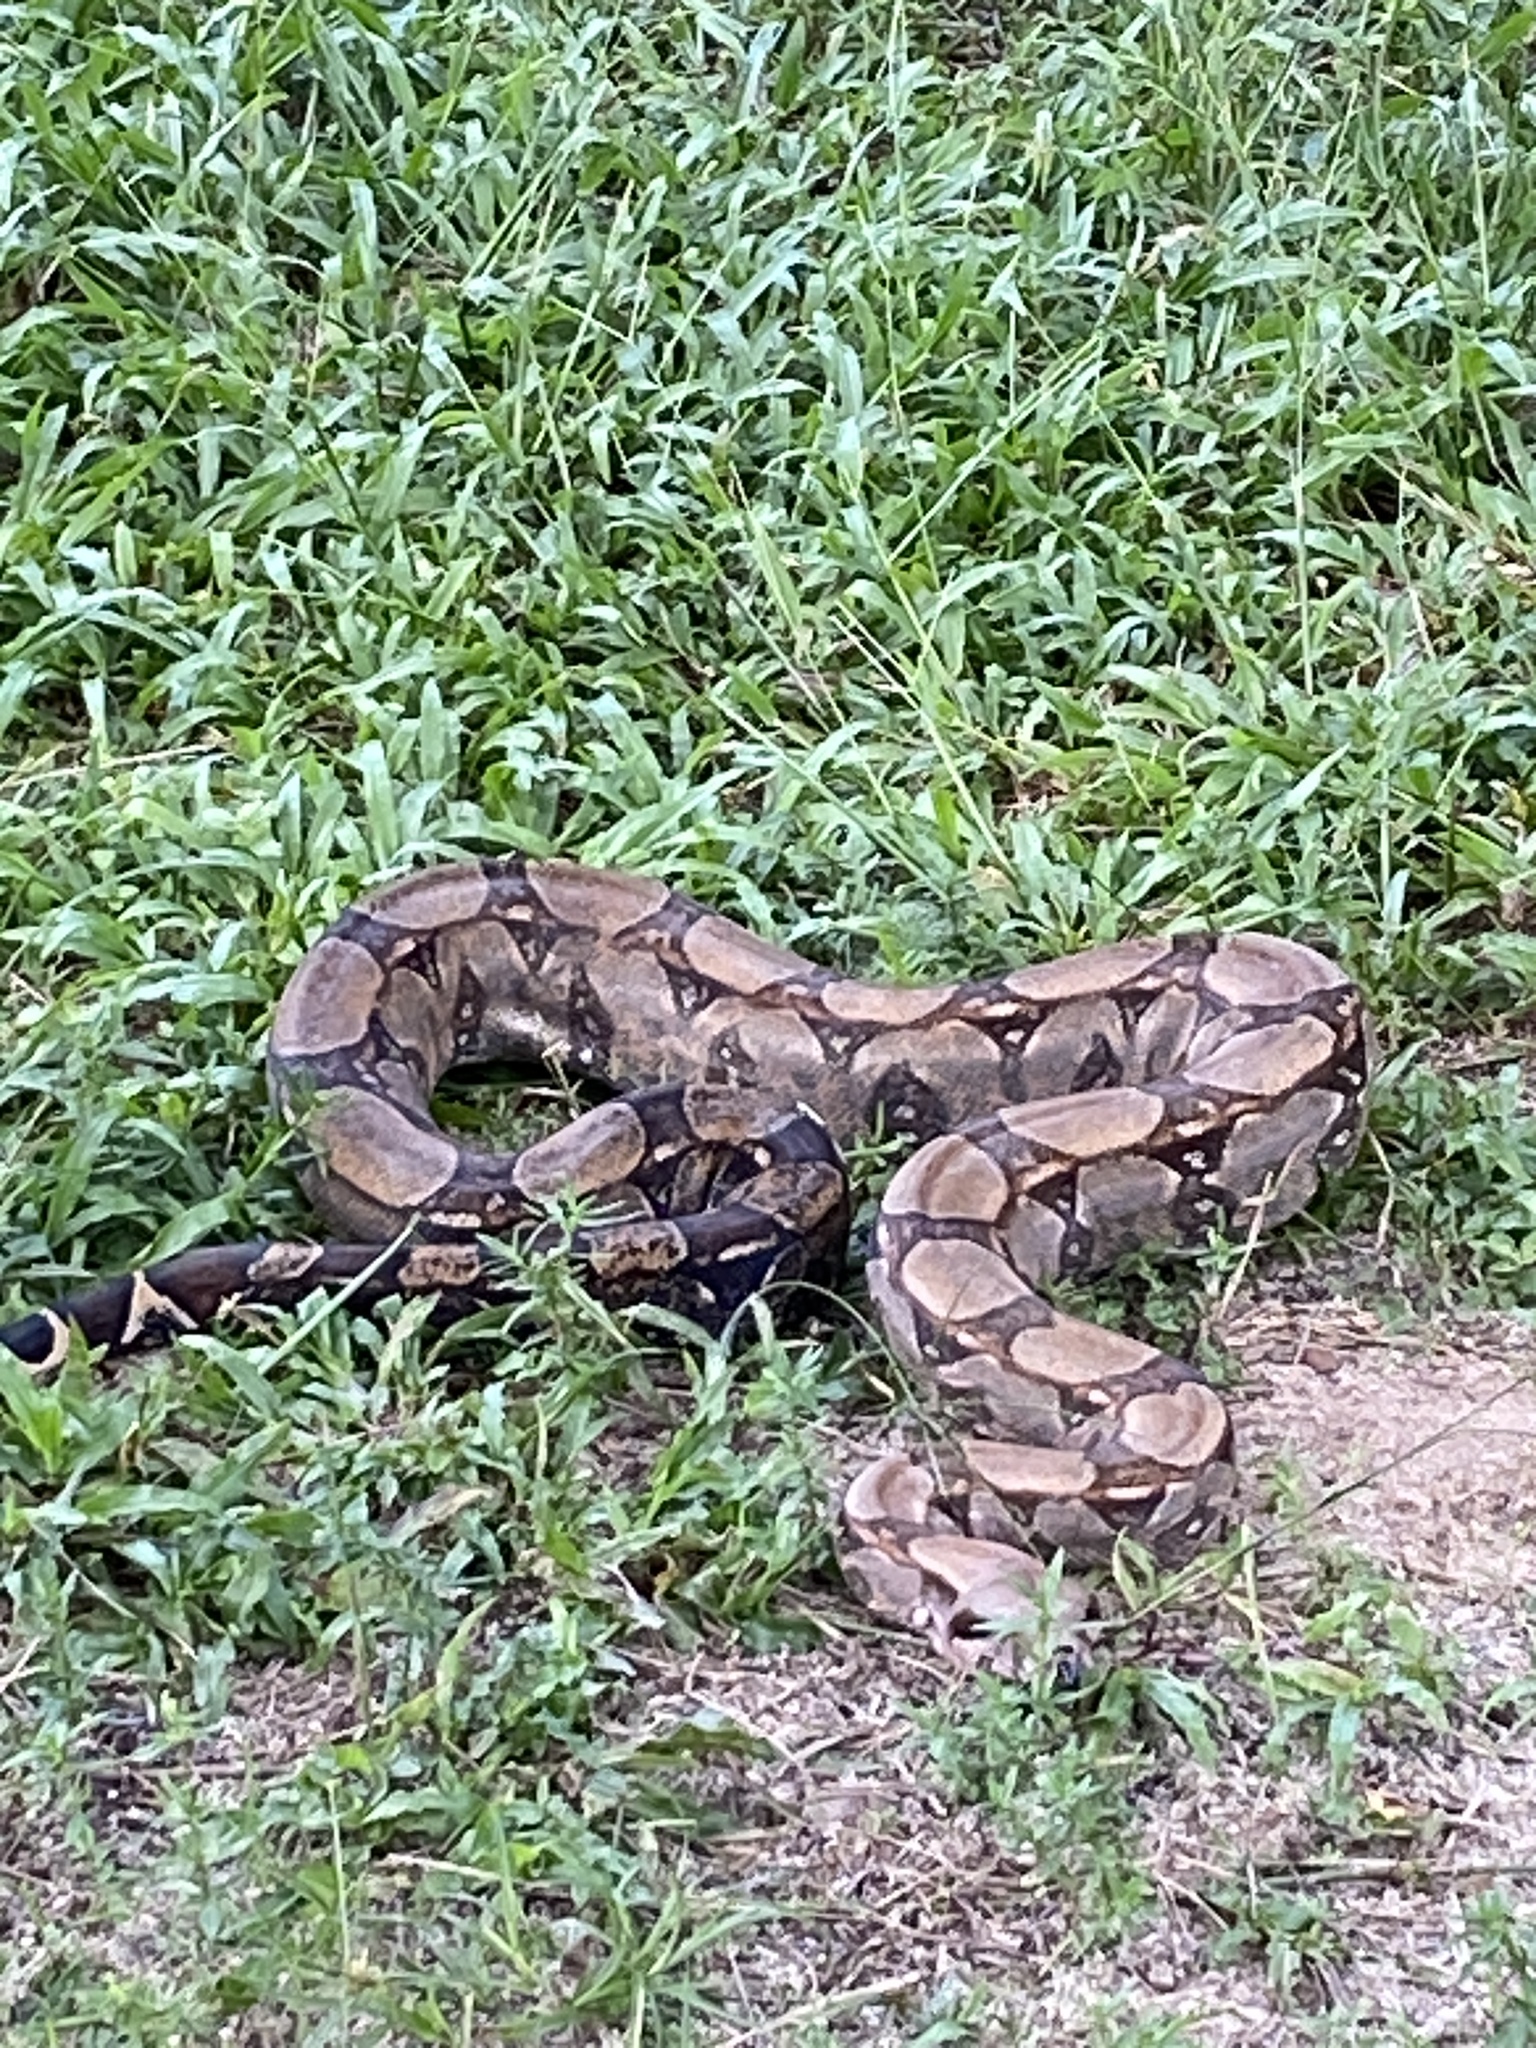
946 489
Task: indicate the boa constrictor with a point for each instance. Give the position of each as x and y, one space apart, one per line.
1070 1112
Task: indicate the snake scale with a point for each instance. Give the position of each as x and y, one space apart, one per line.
1066 1113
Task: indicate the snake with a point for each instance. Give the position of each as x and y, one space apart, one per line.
1145 1093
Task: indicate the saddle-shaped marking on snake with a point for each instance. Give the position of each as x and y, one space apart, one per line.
1140 1093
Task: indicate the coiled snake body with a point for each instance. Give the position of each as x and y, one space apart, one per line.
1070 1112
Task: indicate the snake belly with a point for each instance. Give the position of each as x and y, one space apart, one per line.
1144 1093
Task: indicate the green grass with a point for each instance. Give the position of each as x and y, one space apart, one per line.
945 486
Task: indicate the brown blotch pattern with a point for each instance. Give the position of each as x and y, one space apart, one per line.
430 902
330 1000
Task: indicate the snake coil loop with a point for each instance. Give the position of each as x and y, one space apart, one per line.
1068 1113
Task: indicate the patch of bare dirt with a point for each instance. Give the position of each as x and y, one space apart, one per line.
1413 1447
49 1891
1408 1448
902 1901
